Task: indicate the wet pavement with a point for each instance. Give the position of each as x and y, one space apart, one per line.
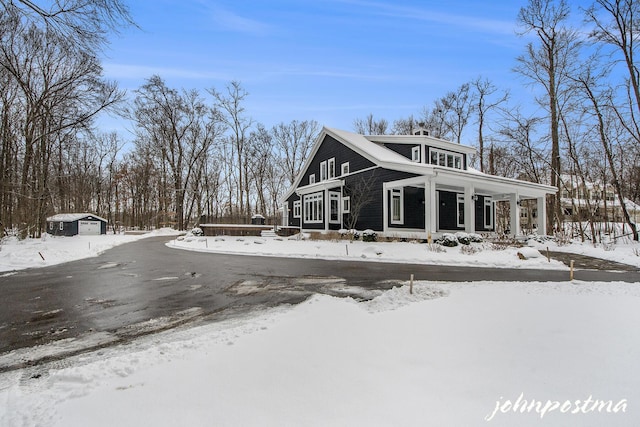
145 287
590 263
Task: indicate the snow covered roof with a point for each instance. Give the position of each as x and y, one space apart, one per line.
371 148
364 146
70 217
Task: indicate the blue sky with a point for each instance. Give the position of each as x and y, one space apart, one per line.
328 60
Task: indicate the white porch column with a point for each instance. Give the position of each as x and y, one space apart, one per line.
469 210
430 204
514 209
542 215
327 209
433 206
385 208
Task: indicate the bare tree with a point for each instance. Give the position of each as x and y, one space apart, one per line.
83 22
294 141
230 104
60 91
360 192
484 103
405 126
175 124
370 126
548 65
597 102
621 33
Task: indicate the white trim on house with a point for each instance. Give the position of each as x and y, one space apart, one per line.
331 168
433 178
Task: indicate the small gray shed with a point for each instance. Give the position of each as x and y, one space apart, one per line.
70 224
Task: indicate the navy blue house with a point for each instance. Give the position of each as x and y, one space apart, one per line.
71 224
401 186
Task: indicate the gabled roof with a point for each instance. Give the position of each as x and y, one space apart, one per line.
362 145
70 217
371 148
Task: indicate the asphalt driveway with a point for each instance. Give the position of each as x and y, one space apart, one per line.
145 286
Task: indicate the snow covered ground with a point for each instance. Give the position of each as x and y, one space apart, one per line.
50 250
404 252
468 354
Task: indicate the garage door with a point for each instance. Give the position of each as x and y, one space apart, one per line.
88 227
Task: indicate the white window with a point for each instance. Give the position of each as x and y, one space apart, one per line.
397 206
50 225
488 213
323 170
445 158
61 226
345 168
460 210
346 204
334 207
312 178
331 165
313 208
415 154
297 207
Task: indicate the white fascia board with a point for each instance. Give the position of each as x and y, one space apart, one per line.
493 184
319 186
422 140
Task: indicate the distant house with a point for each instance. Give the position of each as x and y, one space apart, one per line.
417 186
70 224
594 200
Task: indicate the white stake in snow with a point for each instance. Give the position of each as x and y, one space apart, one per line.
411 285
571 270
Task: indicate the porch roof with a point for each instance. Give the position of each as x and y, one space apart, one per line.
319 186
495 186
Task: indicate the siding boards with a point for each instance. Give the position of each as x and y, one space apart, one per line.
330 148
402 149
371 215
413 205
447 219
294 222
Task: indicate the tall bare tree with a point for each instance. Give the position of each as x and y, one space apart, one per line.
294 141
484 103
617 25
231 104
60 91
175 124
548 65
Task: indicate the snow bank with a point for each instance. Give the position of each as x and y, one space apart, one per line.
483 255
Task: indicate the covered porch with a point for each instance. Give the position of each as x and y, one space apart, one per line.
428 206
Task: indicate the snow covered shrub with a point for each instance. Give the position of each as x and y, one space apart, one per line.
463 238
369 236
435 247
470 249
197 231
449 240
476 238
349 234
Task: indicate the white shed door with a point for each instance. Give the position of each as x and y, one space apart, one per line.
88 227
